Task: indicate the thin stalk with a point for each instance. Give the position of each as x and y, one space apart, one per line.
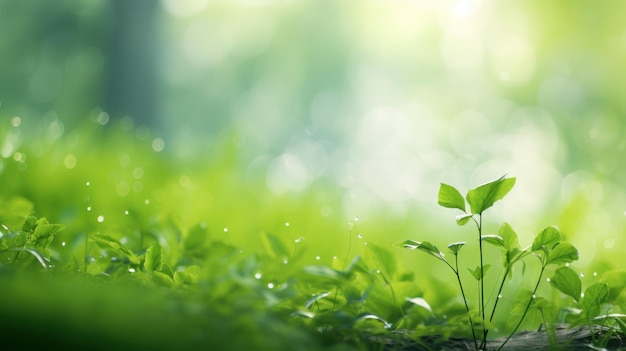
458 278
482 274
530 301
345 261
495 304
87 226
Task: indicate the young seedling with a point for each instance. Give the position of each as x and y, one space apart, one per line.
548 246
595 304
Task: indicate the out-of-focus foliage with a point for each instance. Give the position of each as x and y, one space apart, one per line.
292 118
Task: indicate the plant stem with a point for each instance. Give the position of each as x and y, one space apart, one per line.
495 304
345 261
458 278
482 281
530 301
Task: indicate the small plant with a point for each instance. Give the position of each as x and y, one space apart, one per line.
593 307
548 246
28 244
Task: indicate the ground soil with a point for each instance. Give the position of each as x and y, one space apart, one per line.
568 339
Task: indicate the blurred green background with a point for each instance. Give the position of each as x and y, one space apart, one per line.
297 117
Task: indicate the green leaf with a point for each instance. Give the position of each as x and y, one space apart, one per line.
371 316
616 281
154 257
274 246
464 218
567 281
421 302
188 276
495 240
509 236
484 196
563 252
196 238
45 230
385 258
310 302
29 224
162 279
476 272
110 243
595 295
512 256
423 246
455 247
450 197
548 237
323 272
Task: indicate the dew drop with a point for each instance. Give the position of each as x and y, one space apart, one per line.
297 240
88 184
378 271
317 258
595 274
126 212
567 264
500 296
147 202
100 219
360 236
548 279
356 219
286 224
582 275
285 261
334 257
225 230
258 276
270 285
63 243
132 270
534 296
582 294
365 243
350 225
88 208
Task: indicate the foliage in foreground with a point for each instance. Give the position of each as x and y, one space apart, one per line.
548 246
153 280
195 292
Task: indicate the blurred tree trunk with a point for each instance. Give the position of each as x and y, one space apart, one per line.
132 59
